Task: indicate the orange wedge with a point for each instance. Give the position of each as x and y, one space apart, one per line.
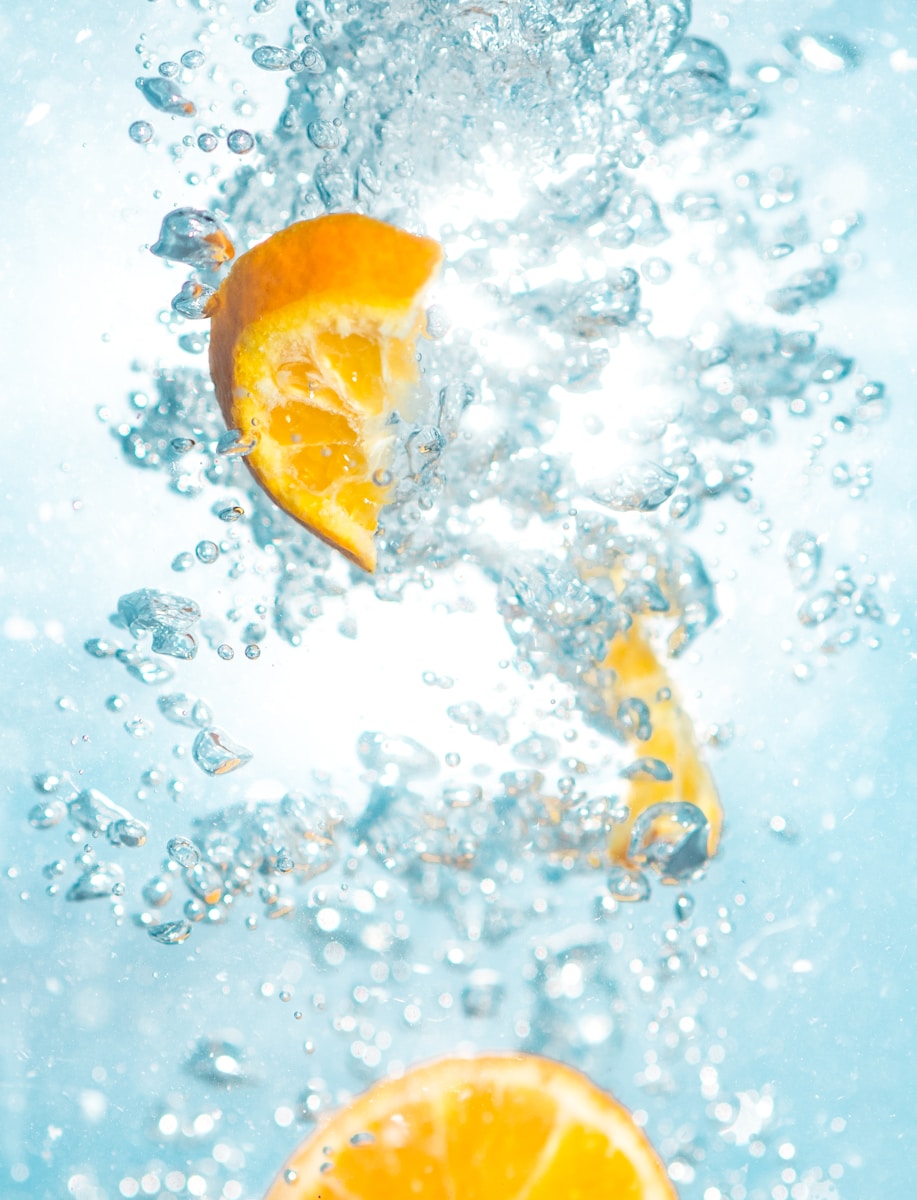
640 675
500 1127
312 349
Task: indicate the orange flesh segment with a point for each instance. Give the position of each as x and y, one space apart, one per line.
498 1127
640 675
312 349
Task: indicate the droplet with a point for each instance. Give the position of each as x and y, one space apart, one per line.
96 882
195 237
240 141
684 907
323 134
627 885
656 270
817 609
184 852
803 558
192 59
208 142
380 751
151 610
273 58
802 289
207 552
252 651
140 132
234 442
233 513
672 837
218 1061
647 768
640 487
484 993
166 96
93 810
193 300
157 892
312 60
170 933
828 53
45 816
225 652
128 832
216 753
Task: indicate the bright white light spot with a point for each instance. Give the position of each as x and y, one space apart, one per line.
19 629
38 113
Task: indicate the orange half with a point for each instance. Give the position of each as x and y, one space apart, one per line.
312 349
497 1127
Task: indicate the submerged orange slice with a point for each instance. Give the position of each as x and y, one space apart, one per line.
640 675
312 349
500 1127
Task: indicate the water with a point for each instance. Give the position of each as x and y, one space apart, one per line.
643 400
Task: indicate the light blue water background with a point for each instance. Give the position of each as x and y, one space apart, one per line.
95 1019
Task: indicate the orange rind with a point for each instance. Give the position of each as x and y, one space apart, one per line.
312 351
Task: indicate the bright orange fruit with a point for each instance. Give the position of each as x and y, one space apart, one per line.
498 1127
640 675
312 348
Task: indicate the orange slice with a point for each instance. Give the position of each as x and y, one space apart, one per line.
312 349
640 675
500 1127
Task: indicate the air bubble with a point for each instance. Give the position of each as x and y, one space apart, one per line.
193 300
828 53
323 135
184 852
166 96
140 132
240 141
273 58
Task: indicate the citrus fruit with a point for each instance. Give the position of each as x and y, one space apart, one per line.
312 349
498 1127
640 675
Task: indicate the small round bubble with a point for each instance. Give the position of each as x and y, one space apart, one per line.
168 70
140 132
208 142
225 652
240 141
252 651
192 59
207 552
183 562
